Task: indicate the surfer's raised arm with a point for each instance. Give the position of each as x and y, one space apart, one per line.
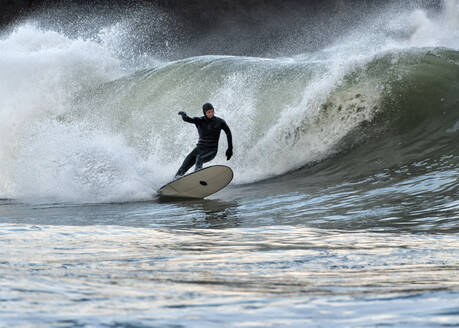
186 118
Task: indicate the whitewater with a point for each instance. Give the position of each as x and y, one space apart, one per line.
78 125
343 210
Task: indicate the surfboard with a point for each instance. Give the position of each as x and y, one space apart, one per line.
198 184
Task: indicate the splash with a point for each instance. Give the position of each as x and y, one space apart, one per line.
79 123
42 71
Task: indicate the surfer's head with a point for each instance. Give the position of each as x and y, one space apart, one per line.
208 110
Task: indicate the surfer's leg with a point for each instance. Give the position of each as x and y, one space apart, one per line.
204 158
187 163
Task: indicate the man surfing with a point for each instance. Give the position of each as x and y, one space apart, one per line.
209 127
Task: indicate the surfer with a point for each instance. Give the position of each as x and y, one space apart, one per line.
209 127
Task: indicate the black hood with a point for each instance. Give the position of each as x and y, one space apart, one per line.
206 107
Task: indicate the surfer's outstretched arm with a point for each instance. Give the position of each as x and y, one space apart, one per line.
188 119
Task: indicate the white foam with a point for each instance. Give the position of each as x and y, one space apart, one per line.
40 156
60 142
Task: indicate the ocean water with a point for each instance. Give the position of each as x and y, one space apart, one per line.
344 209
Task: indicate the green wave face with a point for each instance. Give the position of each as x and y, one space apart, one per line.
300 110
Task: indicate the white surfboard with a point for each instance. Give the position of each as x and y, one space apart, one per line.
199 184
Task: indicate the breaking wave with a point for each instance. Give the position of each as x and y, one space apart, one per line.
79 124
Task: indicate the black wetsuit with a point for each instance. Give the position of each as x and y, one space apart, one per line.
207 146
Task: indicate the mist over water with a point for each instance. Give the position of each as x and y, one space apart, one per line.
81 123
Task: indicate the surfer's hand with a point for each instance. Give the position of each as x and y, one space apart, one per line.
229 153
182 113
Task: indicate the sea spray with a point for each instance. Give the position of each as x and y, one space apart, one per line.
80 125
42 71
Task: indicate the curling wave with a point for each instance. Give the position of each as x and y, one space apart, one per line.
78 126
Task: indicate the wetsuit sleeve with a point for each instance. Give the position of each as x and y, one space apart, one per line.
188 119
229 137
